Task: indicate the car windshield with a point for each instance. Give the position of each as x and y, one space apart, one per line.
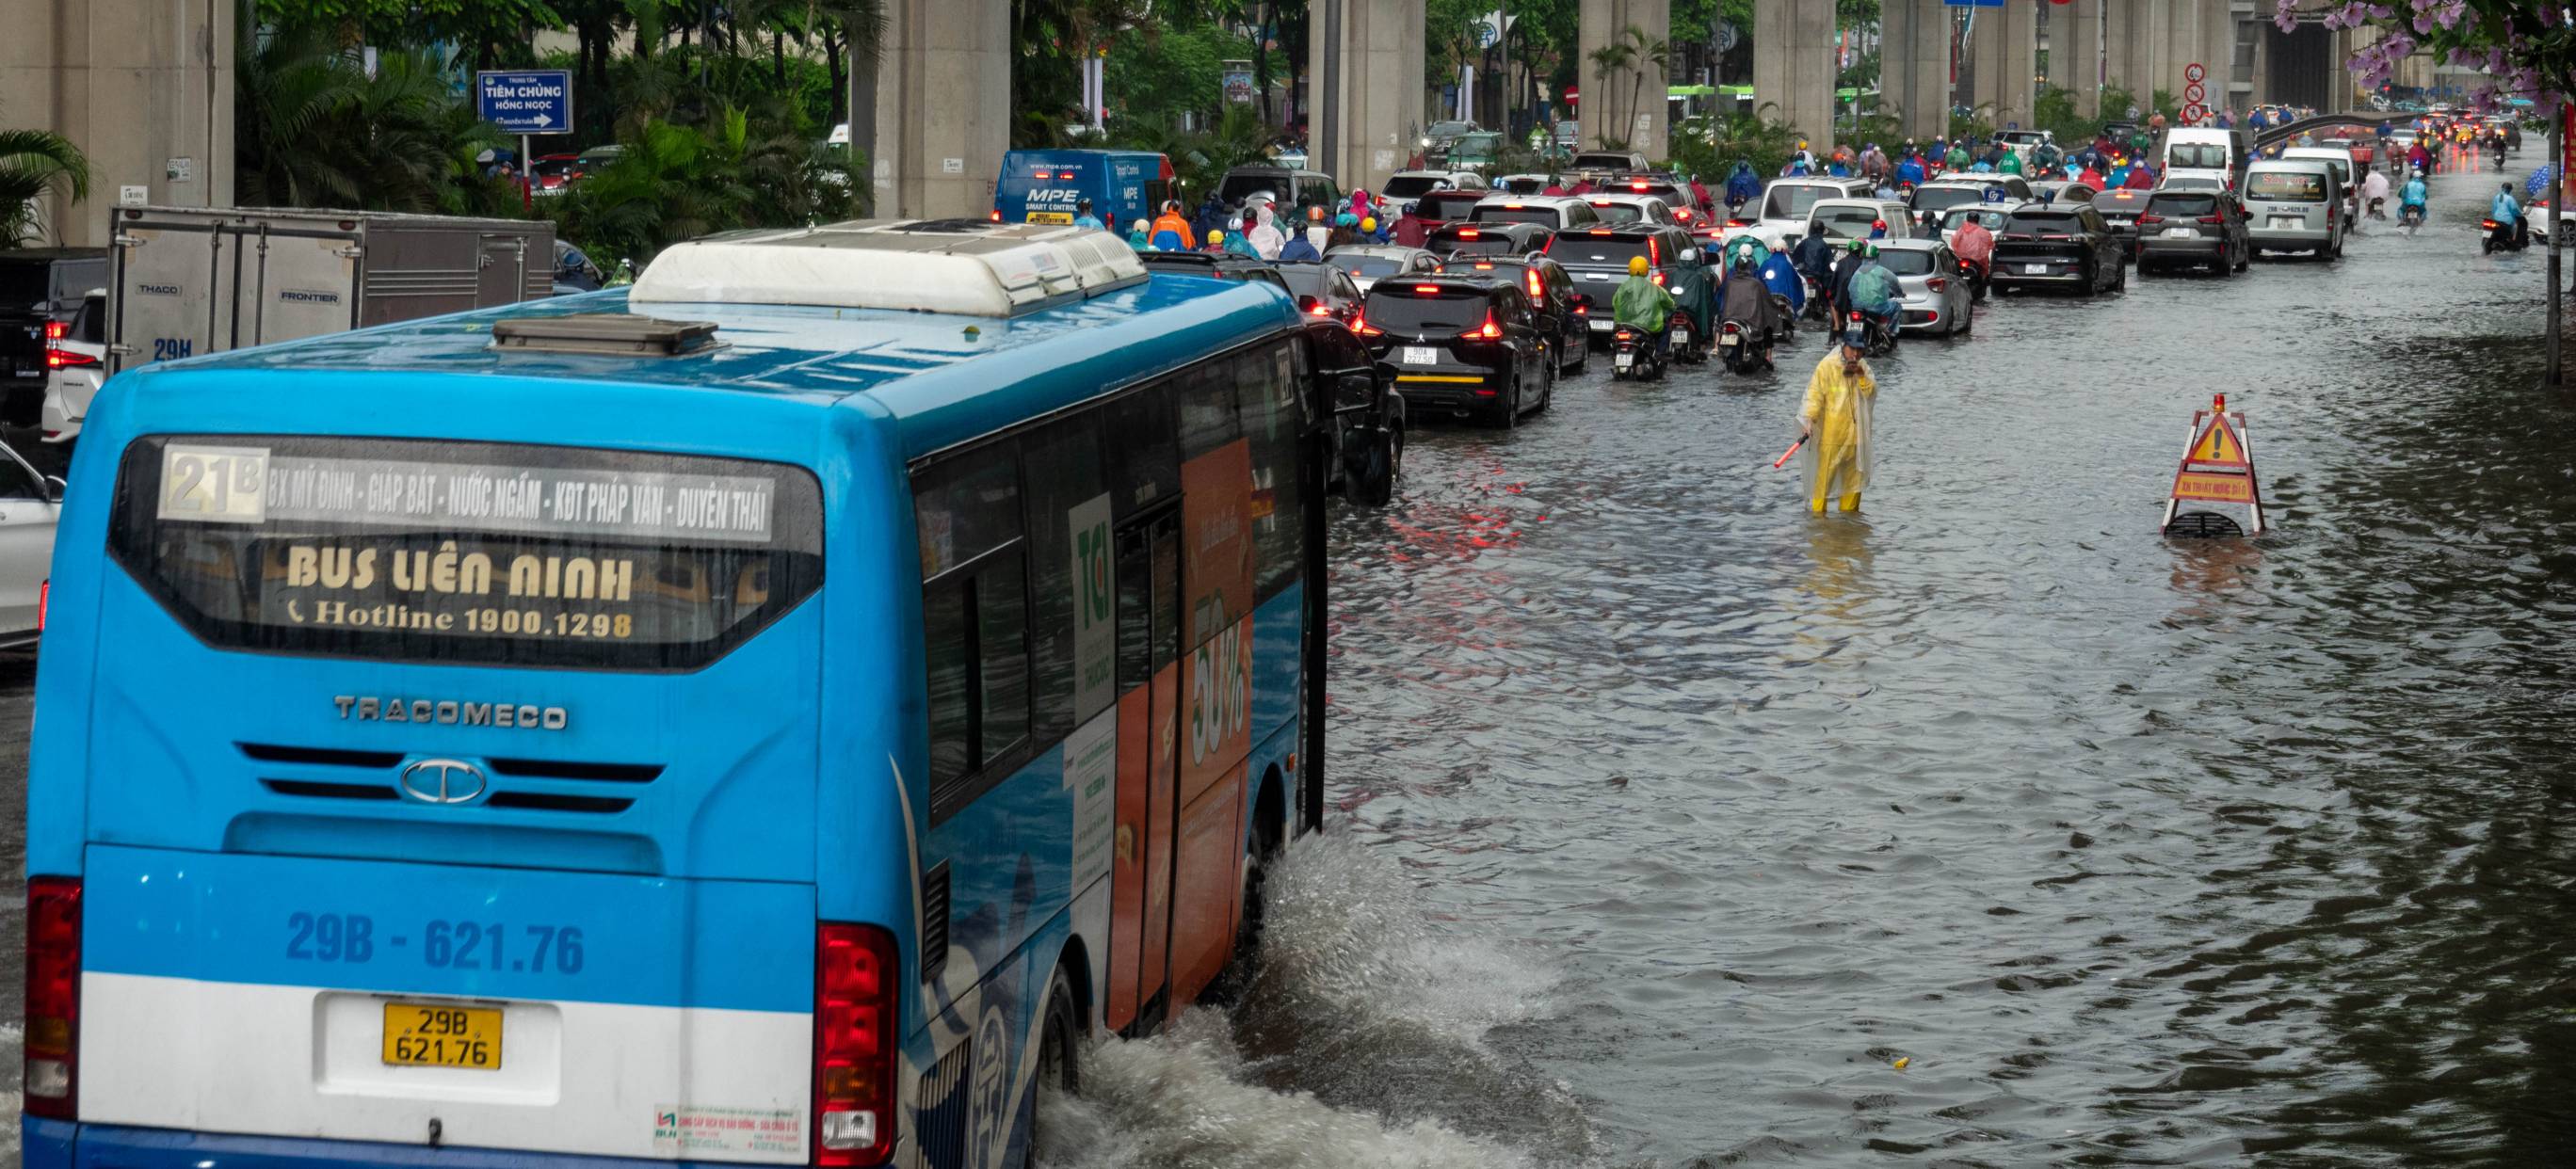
1791 200
1447 206
1237 188
1845 222
1306 279
1989 218
2197 155
2045 223
1603 251
1945 198
1411 186
2287 186
1406 310
2183 206
1363 265
1906 261
1503 213
1615 214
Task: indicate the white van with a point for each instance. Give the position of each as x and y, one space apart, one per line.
2339 160
2204 150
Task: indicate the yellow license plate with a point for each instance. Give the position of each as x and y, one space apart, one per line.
435 1035
1065 217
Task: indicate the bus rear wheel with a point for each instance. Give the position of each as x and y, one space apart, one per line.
1059 1071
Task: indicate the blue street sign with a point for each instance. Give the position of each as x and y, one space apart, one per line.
536 101
1972 3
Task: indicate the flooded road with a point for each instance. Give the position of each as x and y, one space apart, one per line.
1671 817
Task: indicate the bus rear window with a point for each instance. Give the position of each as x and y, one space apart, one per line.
465 553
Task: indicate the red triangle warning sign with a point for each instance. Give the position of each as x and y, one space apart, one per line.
2218 445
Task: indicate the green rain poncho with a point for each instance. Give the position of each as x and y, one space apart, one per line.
1642 303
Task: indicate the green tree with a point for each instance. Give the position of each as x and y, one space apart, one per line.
32 163
315 130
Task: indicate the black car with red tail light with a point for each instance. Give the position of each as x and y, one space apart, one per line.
1598 261
1322 290
1461 345
2065 247
1563 313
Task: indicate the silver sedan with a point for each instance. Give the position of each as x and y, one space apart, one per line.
1932 294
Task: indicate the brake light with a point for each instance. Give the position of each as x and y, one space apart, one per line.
2145 220
1600 231
854 1048
1654 255
2488 224
64 358
1683 215
997 215
1583 310
1739 223
1637 186
1512 206
1360 325
44 590
1469 233
1489 331
57 330
52 1039
1937 283
1426 290
1537 287
1657 276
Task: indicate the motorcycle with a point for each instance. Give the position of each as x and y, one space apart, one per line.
1743 353
1881 339
2500 234
2412 215
1633 356
1686 349
2379 208
1977 272
1787 332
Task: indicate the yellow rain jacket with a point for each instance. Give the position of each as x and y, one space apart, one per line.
1837 455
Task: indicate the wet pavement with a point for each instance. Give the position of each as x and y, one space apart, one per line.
1671 817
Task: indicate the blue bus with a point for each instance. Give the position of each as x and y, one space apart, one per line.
771 714
1045 186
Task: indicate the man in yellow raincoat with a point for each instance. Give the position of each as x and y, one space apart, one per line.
1835 424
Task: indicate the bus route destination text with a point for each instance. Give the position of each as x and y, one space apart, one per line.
489 498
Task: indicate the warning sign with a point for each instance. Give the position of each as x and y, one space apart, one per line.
2217 467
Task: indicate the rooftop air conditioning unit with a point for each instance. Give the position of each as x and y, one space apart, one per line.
962 266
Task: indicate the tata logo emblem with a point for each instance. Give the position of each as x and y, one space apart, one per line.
442 781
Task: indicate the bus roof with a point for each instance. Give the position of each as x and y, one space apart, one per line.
942 378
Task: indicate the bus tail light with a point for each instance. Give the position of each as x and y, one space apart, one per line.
854 1044
53 995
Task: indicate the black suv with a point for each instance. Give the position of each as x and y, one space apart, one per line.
1367 434
1562 313
1489 239
2068 247
1322 290
1598 261
1464 346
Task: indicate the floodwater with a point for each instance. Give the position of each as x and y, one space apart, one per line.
1669 818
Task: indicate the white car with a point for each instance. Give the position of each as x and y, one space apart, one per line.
1782 213
30 503
75 367
1850 219
1405 186
1622 208
2535 213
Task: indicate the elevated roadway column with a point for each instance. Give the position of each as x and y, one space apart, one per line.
1364 59
2130 34
2018 87
1914 65
1793 65
143 87
2075 53
1602 23
943 107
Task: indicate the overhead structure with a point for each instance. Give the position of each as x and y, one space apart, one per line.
2075 53
143 87
1627 105
1364 60
1794 65
2003 46
1914 65
942 103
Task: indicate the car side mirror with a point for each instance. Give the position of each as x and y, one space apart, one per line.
54 488
1355 389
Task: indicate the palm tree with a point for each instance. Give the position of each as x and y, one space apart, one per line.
33 162
1609 61
1644 53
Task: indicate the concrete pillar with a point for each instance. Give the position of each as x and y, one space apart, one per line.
1364 63
1793 65
143 87
2130 35
1985 62
943 106
2075 53
1914 65
1606 22
2018 86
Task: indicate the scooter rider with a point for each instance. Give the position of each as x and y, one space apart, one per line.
1642 304
1849 265
1814 257
1873 291
2411 198
1746 301
2506 209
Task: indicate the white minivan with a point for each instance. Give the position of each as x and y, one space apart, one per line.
2294 205
2204 150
